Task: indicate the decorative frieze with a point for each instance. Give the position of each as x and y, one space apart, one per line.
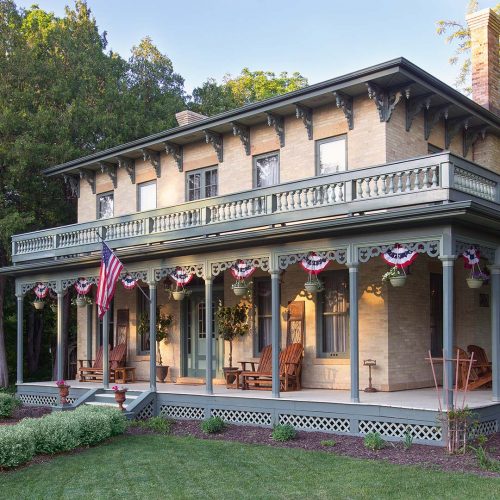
414 106
73 184
110 170
89 176
431 248
487 252
153 157
216 140
337 255
257 262
177 152
345 103
28 286
386 100
164 272
278 122
453 127
129 165
307 118
432 116
243 132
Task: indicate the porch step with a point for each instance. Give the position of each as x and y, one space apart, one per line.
102 403
197 381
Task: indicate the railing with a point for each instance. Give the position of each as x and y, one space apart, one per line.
434 178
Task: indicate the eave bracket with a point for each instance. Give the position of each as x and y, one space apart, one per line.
307 118
243 132
215 139
278 122
177 152
345 103
153 157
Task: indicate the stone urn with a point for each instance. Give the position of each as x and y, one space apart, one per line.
63 394
120 397
161 373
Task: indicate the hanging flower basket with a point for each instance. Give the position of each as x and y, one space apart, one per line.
396 277
240 288
471 261
475 282
178 294
241 270
313 284
398 281
53 308
38 304
81 301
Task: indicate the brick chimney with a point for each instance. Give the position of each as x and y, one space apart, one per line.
187 117
484 27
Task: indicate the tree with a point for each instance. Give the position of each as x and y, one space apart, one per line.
247 87
459 32
232 322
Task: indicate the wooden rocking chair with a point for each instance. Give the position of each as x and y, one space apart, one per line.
117 358
476 378
86 372
481 358
264 365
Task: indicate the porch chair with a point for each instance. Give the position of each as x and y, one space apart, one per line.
117 358
476 379
481 357
85 372
264 365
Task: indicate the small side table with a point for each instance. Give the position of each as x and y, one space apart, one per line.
232 376
124 374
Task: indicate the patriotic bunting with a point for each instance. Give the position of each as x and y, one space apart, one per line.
41 290
314 263
128 282
242 270
471 258
399 256
83 286
181 277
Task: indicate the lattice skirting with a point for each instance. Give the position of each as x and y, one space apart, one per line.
243 417
42 399
484 428
182 412
147 412
312 423
398 430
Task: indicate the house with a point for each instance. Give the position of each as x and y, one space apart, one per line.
384 159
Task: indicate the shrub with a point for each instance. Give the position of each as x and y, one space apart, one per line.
283 432
213 425
408 439
116 418
17 445
328 442
8 404
159 425
92 427
374 441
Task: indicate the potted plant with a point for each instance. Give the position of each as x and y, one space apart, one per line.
53 307
38 304
313 284
476 279
63 391
240 287
232 322
396 277
163 323
81 300
120 395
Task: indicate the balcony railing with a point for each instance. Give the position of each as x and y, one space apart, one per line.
435 178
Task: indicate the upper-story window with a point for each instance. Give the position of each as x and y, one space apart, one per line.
146 196
105 205
201 183
331 155
431 149
266 170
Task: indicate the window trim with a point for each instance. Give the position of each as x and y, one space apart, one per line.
326 140
202 184
98 197
138 197
257 280
319 326
254 167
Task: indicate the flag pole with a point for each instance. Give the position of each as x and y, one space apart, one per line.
124 268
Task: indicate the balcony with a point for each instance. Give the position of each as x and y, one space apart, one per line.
438 178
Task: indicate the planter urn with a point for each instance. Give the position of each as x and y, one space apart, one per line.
63 394
120 397
474 282
398 281
161 373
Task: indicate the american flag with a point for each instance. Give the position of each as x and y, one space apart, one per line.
111 267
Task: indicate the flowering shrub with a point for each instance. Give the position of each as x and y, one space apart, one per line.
117 388
394 272
17 445
61 383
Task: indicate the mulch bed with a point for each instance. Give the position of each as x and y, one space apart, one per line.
26 412
434 457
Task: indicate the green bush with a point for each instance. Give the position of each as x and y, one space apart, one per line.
213 425
159 425
374 441
17 445
328 443
8 404
92 427
283 432
116 418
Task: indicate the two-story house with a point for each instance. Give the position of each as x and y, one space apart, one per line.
384 161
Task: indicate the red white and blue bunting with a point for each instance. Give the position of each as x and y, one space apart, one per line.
399 256
471 258
314 263
181 277
242 270
128 282
83 286
41 290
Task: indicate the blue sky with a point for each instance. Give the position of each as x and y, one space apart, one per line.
321 39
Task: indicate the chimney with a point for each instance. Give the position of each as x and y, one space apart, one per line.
187 117
484 27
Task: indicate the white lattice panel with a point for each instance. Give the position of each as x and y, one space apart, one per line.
39 399
484 428
396 429
315 423
185 412
243 417
147 412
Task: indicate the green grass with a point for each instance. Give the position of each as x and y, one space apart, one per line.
153 466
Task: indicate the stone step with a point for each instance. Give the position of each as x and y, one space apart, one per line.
111 395
101 403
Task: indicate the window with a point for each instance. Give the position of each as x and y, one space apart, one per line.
146 196
333 315
105 206
202 184
266 170
263 317
431 149
142 308
331 155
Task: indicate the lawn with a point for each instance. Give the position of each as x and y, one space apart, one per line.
154 466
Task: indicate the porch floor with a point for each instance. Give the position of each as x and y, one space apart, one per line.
417 399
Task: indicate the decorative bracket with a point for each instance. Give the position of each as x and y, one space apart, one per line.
414 106
129 165
177 152
215 139
307 118
89 176
453 127
110 170
278 122
345 103
152 157
243 132
73 183
471 135
432 116
386 100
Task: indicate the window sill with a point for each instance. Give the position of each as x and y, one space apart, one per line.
331 361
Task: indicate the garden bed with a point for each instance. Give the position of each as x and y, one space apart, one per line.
25 411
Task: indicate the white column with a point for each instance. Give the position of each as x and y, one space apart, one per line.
90 309
60 340
105 350
275 332
208 331
152 335
20 350
354 330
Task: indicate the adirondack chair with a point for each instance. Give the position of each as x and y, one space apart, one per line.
117 358
476 379
482 359
86 372
263 365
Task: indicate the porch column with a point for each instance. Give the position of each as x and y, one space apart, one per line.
208 330
275 331
354 330
60 340
495 331
89 330
20 350
448 262
105 350
152 336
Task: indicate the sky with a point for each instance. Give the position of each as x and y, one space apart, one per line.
321 39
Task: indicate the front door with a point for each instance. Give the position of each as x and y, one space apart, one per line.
196 338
